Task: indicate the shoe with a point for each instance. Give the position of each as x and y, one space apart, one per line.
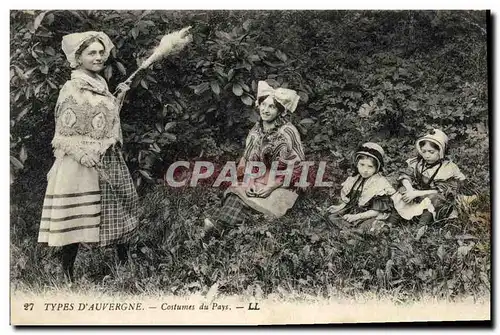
208 225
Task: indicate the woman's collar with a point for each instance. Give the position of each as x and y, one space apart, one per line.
270 130
98 83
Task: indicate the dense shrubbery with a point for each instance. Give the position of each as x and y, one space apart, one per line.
380 76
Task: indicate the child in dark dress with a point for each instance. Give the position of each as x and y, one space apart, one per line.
365 196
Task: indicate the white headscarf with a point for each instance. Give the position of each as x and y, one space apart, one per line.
72 42
286 97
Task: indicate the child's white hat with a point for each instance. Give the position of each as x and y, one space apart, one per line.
437 137
372 150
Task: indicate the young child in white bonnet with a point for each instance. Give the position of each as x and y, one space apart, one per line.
429 183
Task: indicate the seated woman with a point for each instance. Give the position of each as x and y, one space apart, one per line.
273 139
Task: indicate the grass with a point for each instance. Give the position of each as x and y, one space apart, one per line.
298 255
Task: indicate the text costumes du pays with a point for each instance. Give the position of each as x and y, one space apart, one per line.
203 170
135 306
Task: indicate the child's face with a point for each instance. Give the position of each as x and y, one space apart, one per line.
366 167
429 154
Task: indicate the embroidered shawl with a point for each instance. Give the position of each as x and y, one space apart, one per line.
87 117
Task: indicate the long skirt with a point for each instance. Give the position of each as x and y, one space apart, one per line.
232 213
90 205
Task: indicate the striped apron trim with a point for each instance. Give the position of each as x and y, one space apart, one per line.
70 217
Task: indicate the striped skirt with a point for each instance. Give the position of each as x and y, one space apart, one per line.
86 205
72 206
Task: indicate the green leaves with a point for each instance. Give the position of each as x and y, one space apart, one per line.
463 250
367 109
121 68
215 87
420 232
230 75
237 89
170 125
199 89
108 72
16 163
281 56
441 252
145 174
247 24
134 32
23 154
247 100
171 137
307 121
223 35
38 20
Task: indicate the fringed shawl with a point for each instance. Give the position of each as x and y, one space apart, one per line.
87 117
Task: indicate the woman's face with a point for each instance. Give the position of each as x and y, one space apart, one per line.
92 57
366 167
268 110
429 154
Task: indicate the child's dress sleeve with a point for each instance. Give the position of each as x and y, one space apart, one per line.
450 186
408 172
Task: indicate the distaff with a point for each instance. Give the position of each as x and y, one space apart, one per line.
169 44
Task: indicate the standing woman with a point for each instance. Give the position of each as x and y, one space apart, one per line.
90 195
272 139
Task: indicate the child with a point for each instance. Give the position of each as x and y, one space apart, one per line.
365 196
429 183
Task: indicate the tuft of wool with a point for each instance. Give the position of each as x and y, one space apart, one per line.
169 44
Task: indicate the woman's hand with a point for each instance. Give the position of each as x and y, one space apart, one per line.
89 161
351 218
250 192
265 191
409 196
122 89
332 209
